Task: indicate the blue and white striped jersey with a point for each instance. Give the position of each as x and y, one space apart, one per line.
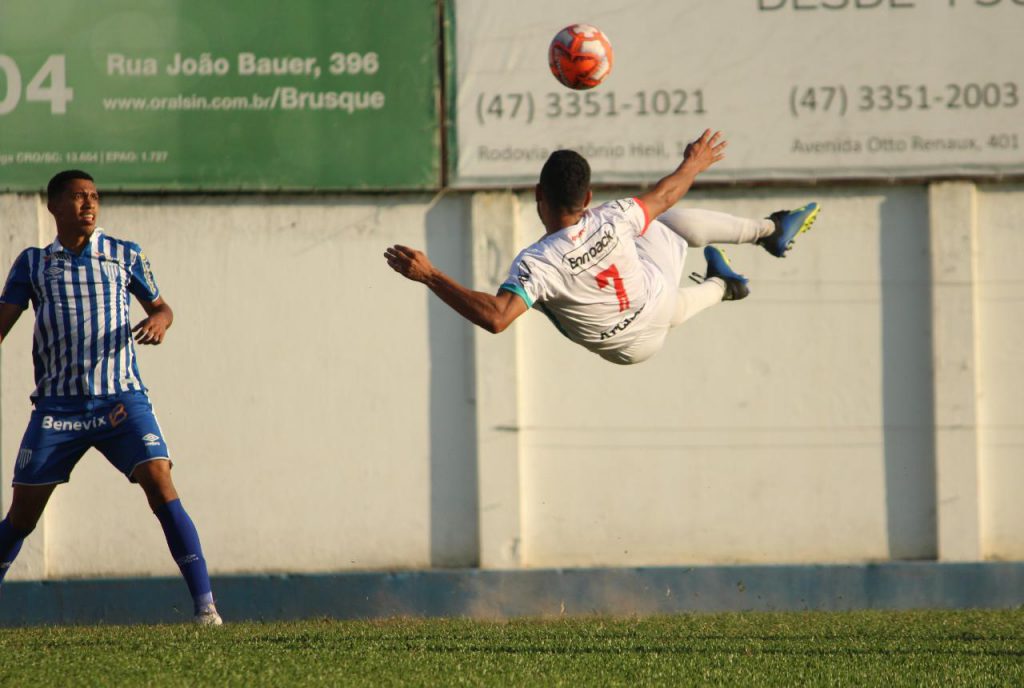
82 344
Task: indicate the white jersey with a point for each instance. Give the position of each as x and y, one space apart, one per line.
589 279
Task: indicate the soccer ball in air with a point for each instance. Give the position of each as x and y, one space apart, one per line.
580 56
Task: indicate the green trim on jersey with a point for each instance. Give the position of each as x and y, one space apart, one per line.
518 291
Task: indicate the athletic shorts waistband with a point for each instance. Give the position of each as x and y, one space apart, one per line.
73 403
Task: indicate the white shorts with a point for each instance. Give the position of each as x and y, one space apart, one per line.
665 251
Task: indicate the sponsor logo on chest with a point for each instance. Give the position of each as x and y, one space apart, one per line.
597 246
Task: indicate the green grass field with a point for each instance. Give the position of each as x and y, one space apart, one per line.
754 649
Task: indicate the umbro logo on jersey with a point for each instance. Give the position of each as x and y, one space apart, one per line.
58 425
599 245
55 270
524 273
150 439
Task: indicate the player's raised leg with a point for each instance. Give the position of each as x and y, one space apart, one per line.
27 506
182 537
703 227
775 234
720 283
720 270
789 224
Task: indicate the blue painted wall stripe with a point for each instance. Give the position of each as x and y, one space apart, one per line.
546 592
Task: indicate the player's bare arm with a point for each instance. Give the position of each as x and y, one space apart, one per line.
699 156
9 314
493 312
152 329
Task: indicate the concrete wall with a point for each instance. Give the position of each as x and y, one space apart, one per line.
316 407
792 426
863 404
1000 307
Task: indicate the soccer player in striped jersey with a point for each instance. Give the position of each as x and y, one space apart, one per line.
88 389
608 277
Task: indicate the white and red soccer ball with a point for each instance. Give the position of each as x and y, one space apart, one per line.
580 56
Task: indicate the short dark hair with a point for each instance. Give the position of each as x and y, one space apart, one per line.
59 182
565 180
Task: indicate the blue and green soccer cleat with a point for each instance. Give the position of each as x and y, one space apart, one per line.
789 224
718 266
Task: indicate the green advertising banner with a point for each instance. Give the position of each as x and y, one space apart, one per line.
221 96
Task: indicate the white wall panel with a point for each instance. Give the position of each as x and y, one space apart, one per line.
322 411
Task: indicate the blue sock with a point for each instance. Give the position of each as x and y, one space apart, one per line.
10 545
183 541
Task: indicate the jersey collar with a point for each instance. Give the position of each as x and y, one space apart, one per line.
57 247
575 232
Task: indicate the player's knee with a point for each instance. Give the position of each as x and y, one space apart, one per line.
155 479
22 520
27 506
155 471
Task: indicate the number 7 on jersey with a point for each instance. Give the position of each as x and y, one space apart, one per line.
610 275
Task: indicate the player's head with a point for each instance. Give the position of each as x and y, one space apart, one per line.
72 199
565 182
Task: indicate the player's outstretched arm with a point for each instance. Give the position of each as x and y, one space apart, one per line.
699 155
9 314
152 330
493 312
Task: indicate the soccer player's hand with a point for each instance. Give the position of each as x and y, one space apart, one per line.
705 151
151 330
409 262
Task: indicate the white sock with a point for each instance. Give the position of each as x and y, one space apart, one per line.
702 227
692 300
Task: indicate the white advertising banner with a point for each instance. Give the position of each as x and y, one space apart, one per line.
802 89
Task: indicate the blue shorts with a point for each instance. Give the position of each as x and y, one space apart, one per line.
122 427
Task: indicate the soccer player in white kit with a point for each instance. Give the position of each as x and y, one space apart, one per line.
608 277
